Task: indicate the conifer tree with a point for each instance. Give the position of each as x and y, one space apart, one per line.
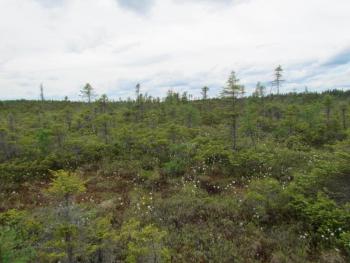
144 244
205 90
103 101
42 98
137 91
232 91
277 82
64 188
259 90
343 109
88 92
327 102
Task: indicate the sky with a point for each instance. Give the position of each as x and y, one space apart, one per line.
179 45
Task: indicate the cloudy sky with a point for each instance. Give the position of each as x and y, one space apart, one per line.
170 44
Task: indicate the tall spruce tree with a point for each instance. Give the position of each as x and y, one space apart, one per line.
277 82
88 92
232 91
205 90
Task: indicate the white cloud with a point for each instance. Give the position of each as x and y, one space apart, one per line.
169 44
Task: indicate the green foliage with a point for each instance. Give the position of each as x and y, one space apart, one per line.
12 248
345 241
266 202
245 179
143 243
66 184
43 140
323 218
175 168
15 237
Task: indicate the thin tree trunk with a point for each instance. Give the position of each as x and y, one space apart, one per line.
68 236
344 118
234 133
328 113
69 248
252 137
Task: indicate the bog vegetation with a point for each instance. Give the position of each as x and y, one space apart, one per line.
261 178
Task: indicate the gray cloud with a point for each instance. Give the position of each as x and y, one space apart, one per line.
143 6
213 2
341 58
182 45
139 6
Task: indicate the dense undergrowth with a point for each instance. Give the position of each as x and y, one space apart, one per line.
166 181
